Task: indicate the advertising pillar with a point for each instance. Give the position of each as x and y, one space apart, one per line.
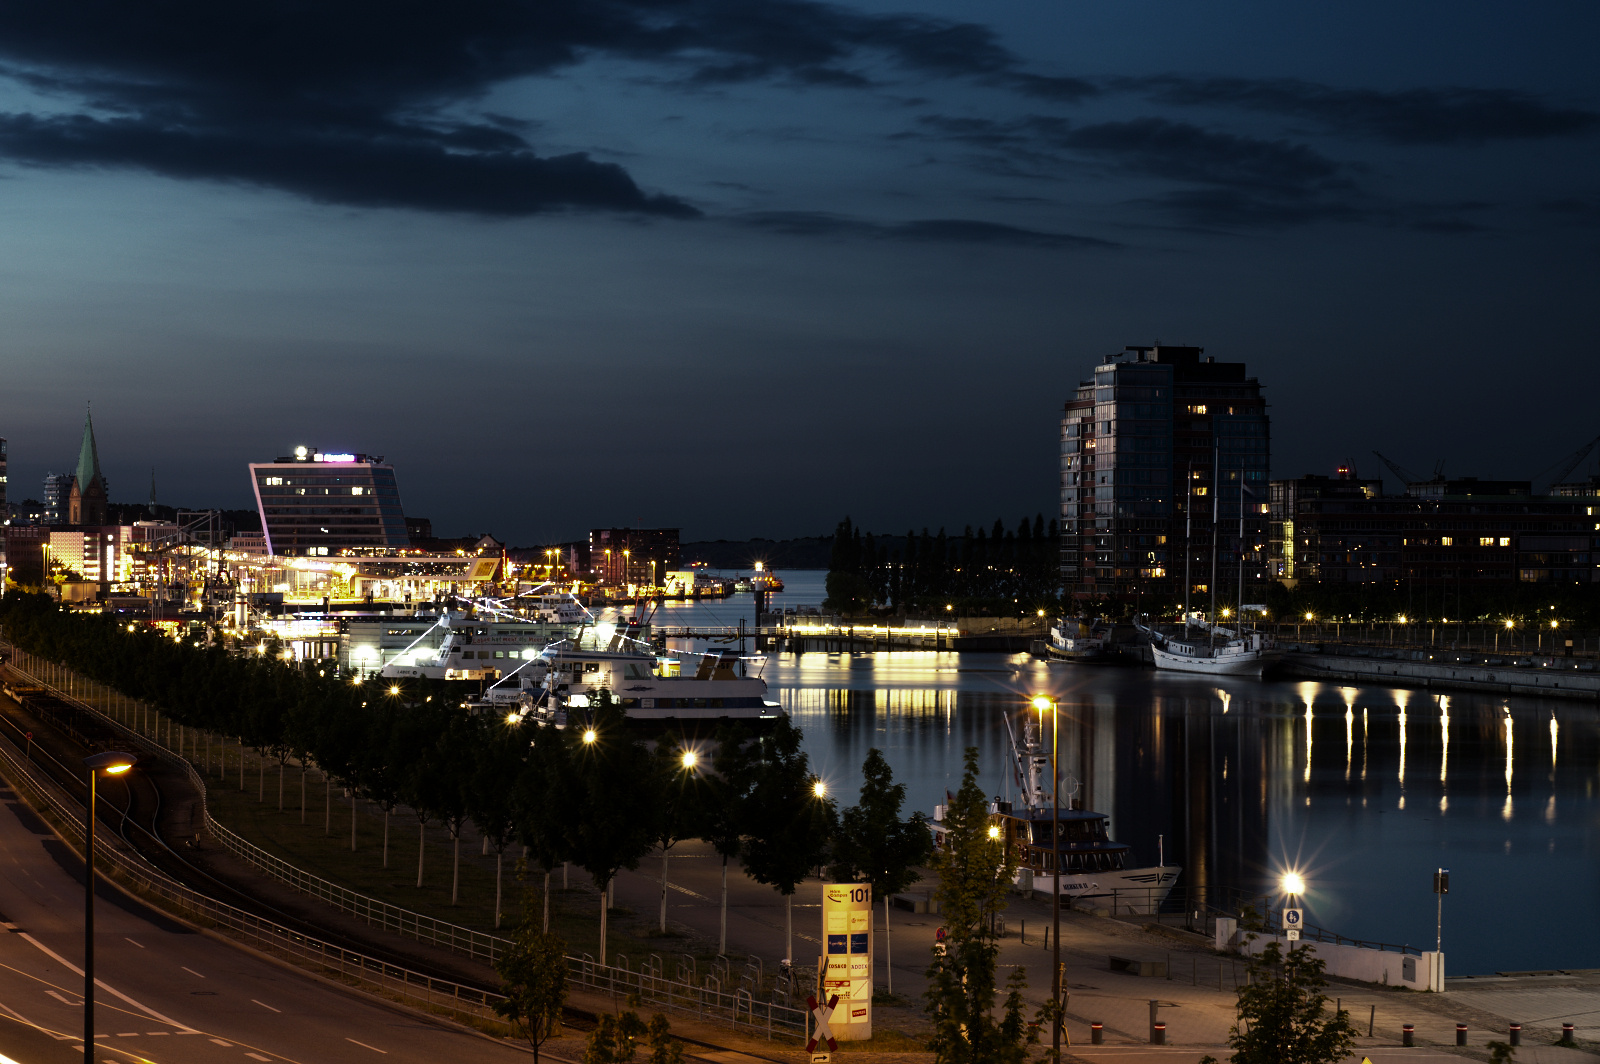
847 958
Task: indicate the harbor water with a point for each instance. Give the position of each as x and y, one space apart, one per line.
1363 790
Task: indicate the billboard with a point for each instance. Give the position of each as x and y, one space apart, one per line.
846 967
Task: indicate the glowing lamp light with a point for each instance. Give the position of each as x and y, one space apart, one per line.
1510 623
394 689
590 735
819 789
1402 618
994 831
1041 703
689 759
1293 883
1308 616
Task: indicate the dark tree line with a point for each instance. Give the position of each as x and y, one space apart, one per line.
998 570
597 796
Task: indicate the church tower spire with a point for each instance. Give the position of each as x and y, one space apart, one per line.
86 505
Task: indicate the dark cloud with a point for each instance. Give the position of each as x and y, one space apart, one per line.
931 230
1411 116
348 102
1236 209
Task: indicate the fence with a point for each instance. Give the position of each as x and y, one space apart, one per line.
650 983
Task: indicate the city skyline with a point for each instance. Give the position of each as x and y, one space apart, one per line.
830 259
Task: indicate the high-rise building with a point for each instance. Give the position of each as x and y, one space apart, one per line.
57 490
87 498
316 503
639 556
1164 453
4 505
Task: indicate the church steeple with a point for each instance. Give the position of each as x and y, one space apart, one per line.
86 504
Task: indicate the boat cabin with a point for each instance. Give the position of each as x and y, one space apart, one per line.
1082 835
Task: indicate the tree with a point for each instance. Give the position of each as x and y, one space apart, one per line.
1282 1013
616 1038
541 806
721 818
679 783
874 845
533 972
788 818
974 876
498 756
608 778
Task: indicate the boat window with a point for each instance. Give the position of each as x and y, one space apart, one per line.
591 666
663 703
634 671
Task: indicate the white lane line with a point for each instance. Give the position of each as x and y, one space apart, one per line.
127 1034
264 1005
364 1045
59 959
192 972
127 939
73 1004
257 1056
220 1042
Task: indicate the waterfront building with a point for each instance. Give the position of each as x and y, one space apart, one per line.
1159 450
87 492
638 556
1443 530
314 503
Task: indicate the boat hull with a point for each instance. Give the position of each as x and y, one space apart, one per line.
1125 892
1244 663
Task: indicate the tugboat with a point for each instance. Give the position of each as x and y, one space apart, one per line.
1077 639
1094 872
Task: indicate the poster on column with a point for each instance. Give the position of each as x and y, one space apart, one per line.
847 957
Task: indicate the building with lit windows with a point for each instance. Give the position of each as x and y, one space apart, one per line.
1164 451
641 557
314 503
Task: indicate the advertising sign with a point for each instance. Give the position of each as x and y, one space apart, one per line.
847 957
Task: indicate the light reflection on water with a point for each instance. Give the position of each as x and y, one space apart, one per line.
1247 777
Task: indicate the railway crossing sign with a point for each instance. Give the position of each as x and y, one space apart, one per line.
824 1032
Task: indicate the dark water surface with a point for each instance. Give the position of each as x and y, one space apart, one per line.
1364 790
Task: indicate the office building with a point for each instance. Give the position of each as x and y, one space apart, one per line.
1457 531
5 506
1164 451
638 556
57 490
314 503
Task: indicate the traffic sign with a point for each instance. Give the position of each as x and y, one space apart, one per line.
1293 918
824 1032
1293 934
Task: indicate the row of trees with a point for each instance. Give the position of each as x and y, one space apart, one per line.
597 796
999 570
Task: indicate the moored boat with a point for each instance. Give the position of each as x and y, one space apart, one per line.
1219 652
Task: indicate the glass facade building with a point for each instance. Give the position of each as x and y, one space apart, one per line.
312 504
1159 451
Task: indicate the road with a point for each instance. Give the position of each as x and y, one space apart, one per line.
170 995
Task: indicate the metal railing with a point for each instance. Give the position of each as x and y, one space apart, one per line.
375 912
649 983
264 935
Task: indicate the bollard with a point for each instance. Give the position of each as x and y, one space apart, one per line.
1408 1035
1514 1034
1097 1033
1158 1035
1566 1035
1461 1034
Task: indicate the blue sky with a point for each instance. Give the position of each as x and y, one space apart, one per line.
747 267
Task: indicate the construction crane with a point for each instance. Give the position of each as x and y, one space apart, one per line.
1407 477
1564 466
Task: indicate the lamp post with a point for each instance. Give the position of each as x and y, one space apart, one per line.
112 763
1293 885
1042 703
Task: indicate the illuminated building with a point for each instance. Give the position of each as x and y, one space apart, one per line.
314 503
1159 435
57 489
637 556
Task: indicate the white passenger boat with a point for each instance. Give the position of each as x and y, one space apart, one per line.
1213 651
1094 872
1077 639
472 647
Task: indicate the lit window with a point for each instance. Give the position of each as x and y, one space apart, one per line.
1447 541
1485 541
355 490
1197 408
274 480
1200 491
1505 541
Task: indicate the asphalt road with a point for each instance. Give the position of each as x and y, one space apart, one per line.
169 994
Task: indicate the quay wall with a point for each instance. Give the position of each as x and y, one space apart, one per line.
1549 678
1362 963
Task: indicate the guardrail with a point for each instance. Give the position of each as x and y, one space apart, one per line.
479 945
261 934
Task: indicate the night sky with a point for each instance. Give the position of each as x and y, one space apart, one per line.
745 267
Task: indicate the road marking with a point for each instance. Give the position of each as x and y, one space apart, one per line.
64 1001
127 939
257 1056
264 1005
192 972
364 1045
59 959
220 1042
127 1034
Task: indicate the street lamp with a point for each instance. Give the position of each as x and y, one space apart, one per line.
1042 703
590 735
689 758
819 789
112 763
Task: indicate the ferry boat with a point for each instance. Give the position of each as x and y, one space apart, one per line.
1221 651
1077 639
763 579
559 684
1094 871
478 648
